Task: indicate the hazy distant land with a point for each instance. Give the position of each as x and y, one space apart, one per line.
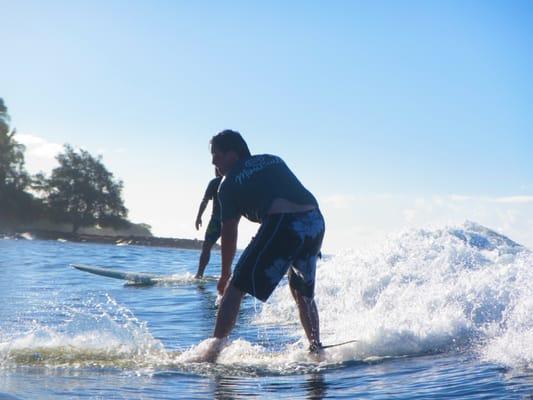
134 234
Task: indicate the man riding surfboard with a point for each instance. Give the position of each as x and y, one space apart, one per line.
263 189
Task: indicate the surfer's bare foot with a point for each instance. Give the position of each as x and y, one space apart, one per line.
316 351
213 350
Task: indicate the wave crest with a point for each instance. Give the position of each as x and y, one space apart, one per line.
425 291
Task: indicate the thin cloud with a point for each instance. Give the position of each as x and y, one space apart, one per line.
513 200
39 147
40 154
345 200
339 200
459 197
104 150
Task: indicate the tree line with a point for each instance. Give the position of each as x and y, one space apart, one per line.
80 191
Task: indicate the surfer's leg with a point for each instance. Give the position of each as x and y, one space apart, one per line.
204 258
226 317
227 311
308 316
309 227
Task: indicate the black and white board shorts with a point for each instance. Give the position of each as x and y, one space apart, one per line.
284 242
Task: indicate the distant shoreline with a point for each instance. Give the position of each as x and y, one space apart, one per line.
118 240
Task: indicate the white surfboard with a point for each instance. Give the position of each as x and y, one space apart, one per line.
142 278
139 278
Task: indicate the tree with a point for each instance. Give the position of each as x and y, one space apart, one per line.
81 191
15 203
12 171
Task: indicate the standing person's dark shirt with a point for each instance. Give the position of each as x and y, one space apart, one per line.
252 185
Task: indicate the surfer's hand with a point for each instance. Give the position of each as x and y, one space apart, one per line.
222 282
198 223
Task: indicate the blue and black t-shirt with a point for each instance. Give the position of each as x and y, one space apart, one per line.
211 193
252 185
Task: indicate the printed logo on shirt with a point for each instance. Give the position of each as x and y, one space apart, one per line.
255 164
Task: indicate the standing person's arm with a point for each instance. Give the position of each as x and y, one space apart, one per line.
208 195
201 210
228 248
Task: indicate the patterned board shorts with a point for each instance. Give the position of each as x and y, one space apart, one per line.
284 242
212 233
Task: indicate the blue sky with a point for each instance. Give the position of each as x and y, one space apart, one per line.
395 114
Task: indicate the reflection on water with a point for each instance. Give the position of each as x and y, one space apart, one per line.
316 386
227 388
312 386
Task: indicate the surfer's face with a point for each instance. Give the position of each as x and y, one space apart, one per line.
223 160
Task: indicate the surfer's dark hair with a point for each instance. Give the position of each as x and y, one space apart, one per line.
229 140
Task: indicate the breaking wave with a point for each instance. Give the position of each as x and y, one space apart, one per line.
426 291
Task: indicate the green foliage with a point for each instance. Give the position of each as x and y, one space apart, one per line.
12 171
15 203
83 192
19 206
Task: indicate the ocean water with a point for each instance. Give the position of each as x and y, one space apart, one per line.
438 313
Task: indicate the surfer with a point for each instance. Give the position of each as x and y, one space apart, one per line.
212 233
263 189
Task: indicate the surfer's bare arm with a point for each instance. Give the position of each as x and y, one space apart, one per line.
228 248
201 210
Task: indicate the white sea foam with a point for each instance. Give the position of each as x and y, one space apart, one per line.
99 332
424 292
242 357
25 236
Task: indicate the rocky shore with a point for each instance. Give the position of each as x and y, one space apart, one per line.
105 239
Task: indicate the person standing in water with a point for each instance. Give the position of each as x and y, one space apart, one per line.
212 233
263 189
